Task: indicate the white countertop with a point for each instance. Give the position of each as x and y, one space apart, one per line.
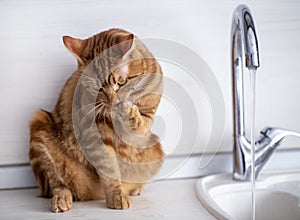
168 199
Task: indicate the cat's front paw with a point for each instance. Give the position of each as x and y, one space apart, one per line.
128 115
118 201
61 200
127 111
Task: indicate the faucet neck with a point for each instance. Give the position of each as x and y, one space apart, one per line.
244 54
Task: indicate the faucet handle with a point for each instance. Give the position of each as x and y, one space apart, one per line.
277 134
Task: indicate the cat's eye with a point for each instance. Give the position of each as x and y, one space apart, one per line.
111 79
122 81
105 82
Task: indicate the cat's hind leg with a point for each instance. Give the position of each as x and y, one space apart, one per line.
46 164
61 200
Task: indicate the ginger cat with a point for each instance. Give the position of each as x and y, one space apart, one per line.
97 142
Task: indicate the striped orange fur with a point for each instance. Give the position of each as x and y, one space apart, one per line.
97 142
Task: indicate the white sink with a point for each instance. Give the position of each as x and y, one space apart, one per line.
277 196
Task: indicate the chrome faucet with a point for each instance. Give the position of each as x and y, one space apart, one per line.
245 54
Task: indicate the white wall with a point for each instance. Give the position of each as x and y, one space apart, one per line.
34 63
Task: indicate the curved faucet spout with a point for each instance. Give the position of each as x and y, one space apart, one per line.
244 35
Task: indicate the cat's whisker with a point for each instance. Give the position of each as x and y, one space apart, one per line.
96 109
85 106
90 112
103 111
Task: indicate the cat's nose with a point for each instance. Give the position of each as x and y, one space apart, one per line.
116 87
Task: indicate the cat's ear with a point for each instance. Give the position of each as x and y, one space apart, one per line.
125 43
74 45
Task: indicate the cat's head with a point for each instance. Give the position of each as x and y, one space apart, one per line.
107 55
106 49
116 71
115 67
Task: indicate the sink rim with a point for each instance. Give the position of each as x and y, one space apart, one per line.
266 181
